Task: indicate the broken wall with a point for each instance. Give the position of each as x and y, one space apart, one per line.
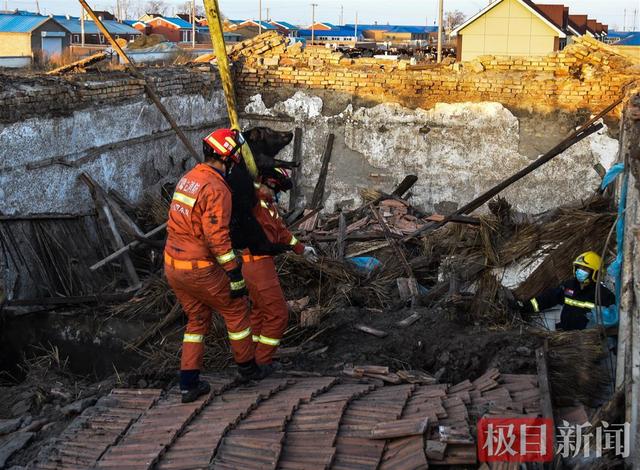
52 129
458 150
587 75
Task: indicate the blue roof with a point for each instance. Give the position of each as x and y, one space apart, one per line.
619 34
72 24
179 22
20 23
414 29
633 40
264 24
395 28
284 24
364 27
337 32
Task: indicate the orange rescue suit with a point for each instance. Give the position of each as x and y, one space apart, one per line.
198 255
269 312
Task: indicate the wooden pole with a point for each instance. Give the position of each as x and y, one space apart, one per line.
147 86
217 39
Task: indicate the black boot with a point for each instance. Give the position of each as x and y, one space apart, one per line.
268 369
192 394
248 371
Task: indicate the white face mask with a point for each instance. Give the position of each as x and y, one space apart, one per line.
582 275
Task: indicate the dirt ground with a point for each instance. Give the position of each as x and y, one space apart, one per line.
435 343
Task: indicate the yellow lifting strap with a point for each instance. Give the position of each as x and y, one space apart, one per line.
217 38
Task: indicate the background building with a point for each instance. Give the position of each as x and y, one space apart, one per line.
25 38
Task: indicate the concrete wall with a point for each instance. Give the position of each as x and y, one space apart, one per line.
127 146
457 150
509 28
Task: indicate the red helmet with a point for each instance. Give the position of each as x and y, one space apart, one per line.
223 144
278 179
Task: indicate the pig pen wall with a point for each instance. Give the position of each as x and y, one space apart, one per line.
54 129
458 150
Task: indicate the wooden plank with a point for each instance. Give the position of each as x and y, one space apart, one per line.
342 233
544 386
410 320
405 185
294 193
318 192
371 331
435 450
125 249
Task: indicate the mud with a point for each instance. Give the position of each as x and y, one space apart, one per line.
437 343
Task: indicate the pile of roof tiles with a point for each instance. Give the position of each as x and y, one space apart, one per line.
292 423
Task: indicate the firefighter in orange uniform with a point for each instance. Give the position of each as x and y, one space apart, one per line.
269 312
201 266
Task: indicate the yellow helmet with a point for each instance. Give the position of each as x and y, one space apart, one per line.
590 260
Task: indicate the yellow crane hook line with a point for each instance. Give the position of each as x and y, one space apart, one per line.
217 39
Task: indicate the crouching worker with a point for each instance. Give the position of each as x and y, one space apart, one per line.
577 295
201 266
269 312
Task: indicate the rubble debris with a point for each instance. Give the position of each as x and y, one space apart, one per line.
11 444
371 331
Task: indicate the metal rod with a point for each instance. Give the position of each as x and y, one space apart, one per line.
193 24
147 86
313 22
440 11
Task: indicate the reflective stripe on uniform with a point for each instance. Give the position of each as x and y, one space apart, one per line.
293 240
217 145
577 303
255 338
224 259
240 334
184 199
536 307
237 285
264 204
193 338
269 341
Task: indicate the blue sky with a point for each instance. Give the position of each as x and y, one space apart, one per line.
383 11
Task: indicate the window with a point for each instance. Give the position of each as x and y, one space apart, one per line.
101 38
76 38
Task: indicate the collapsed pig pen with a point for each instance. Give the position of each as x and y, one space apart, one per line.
421 265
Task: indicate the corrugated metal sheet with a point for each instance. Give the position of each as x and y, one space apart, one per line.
72 25
20 23
633 40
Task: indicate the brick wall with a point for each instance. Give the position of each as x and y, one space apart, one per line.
586 75
41 96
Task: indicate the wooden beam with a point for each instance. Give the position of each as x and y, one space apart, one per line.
588 128
294 194
405 185
545 388
342 233
83 299
125 249
318 192
151 92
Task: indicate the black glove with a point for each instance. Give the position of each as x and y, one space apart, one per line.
236 282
